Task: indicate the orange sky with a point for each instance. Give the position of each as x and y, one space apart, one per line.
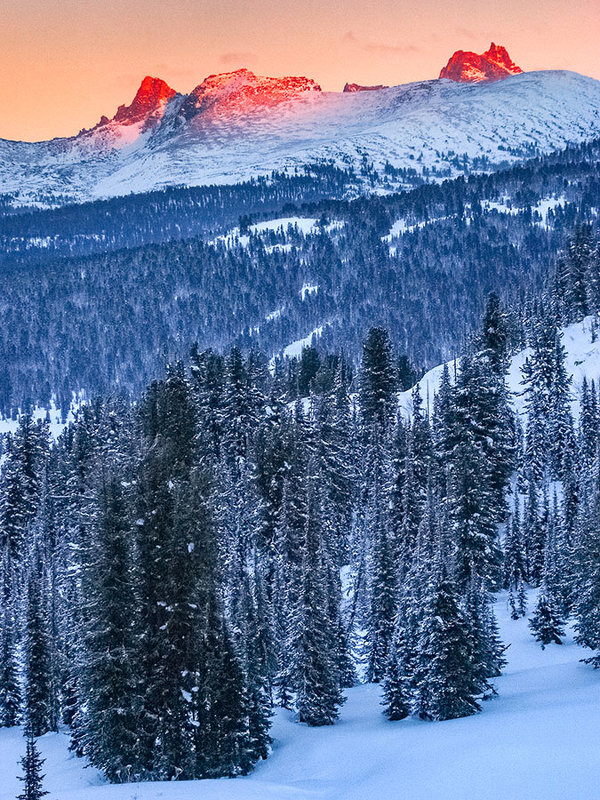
64 63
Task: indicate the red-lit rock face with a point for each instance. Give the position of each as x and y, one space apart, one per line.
244 91
493 65
150 101
356 87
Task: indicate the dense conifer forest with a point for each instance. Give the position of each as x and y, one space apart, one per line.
245 535
99 298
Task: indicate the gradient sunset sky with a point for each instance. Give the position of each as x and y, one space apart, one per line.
64 64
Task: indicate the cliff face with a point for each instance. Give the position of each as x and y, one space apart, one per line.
493 65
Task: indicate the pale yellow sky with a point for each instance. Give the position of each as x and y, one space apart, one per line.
64 63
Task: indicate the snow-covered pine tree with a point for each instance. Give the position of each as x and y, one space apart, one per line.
547 399
514 564
39 696
586 584
546 624
377 380
10 686
194 715
588 423
534 533
316 678
397 685
487 648
255 658
109 659
207 373
382 567
20 485
495 336
331 412
482 460
573 273
444 427
447 678
31 763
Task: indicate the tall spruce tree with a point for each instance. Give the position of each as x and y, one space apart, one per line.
447 677
39 685
316 678
546 624
10 687
108 675
514 564
377 380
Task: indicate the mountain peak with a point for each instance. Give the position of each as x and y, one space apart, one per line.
242 90
149 101
468 67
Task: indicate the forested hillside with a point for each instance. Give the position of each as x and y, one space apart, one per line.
419 264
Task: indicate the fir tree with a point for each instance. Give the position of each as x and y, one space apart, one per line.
32 771
397 684
546 624
39 688
10 688
514 565
586 589
316 676
378 379
447 678
108 679
496 334
382 564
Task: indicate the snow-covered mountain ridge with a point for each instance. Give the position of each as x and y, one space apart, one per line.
236 126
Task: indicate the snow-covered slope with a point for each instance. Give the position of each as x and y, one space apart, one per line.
538 740
582 347
237 126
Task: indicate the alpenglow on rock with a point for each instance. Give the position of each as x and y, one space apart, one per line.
356 87
493 65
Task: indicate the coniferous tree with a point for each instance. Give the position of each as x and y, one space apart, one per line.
546 624
20 484
381 553
447 678
192 724
549 422
586 590
487 648
10 688
397 684
574 272
378 380
514 565
32 777
108 682
496 335
316 678
481 463
39 686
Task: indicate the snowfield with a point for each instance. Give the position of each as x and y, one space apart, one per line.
582 346
538 740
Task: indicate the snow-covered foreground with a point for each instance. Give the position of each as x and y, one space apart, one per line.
538 740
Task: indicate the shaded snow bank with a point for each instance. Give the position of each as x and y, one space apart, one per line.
536 740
